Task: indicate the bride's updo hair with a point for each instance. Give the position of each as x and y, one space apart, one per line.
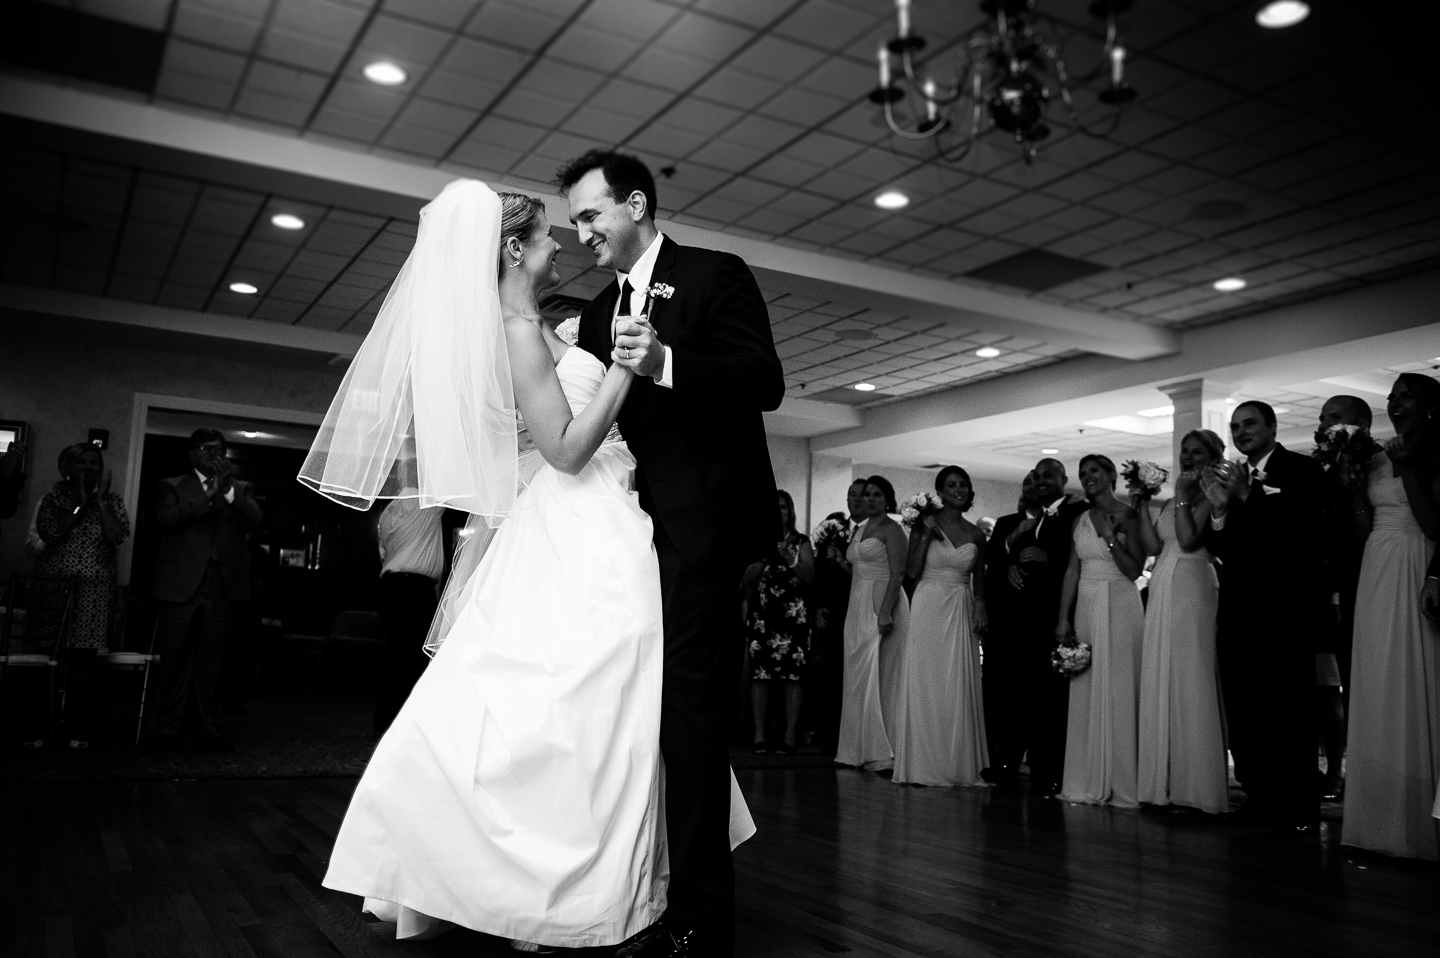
519 214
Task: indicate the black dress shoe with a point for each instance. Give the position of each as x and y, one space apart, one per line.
760 748
657 941
1000 775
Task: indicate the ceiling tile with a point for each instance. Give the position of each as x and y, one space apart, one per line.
522 27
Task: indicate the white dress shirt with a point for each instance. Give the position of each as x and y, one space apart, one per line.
639 277
205 483
410 539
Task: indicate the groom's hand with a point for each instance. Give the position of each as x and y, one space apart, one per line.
637 347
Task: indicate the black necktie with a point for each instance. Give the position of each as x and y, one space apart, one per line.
625 290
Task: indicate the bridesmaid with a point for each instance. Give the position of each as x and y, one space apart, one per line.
1393 760
1101 741
876 624
1182 728
939 731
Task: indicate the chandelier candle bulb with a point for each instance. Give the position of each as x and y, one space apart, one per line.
932 109
1117 66
884 57
902 14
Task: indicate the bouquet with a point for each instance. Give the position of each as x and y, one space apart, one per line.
1143 478
1344 451
831 532
1070 657
918 505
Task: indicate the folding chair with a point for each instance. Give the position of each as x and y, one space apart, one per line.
38 612
127 662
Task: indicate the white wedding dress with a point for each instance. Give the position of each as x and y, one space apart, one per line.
520 790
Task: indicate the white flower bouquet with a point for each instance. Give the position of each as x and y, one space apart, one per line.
1070 657
1143 478
917 506
1344 451
831 532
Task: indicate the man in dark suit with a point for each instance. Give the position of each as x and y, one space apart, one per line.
1036 554
202 569
693 326
1003 677
1346 548
1267 528
830 598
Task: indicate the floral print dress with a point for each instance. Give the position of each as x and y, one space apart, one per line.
85 554
779 621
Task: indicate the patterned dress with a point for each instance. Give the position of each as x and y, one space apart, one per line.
779 622
86 554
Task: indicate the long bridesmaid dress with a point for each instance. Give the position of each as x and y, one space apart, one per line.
1101 740
864 733
1182 726
939 729
1393 758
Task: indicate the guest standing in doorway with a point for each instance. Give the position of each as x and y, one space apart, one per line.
82 523
939 733
1265 528
1394 761
778 622
201 570
412 559
875 627
1182 728
1102 740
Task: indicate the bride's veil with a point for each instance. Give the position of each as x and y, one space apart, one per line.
427 408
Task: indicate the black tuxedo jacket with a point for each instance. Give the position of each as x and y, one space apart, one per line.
1000 599
1039 601
1275 580
193 528
700 447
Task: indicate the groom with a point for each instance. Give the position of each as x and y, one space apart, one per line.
706 369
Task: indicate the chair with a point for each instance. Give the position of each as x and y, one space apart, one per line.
129 662
38 613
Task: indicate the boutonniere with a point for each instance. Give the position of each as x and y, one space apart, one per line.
660 291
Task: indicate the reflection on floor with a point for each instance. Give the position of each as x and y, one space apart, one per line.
844 863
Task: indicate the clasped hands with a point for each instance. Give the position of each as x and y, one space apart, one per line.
637 348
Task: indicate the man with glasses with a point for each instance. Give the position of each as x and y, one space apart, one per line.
202 570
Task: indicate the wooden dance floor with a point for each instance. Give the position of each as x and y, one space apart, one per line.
844 863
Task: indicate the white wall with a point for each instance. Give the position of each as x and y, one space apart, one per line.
790 458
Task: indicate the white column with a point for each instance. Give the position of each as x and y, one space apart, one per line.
1199 404
829 482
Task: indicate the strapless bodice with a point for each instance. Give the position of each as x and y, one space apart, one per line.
1387 496
1096 565
947 563
580 376
869 559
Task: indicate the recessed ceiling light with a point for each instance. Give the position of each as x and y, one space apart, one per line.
865 387
987 352
1157 411
1230 284
1281 410
245 289
287 221
385 73
250 434
1049 452
1229 402
892 200
1282 13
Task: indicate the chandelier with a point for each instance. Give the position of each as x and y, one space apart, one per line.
1006 75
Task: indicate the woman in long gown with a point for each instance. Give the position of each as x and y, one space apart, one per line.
876 624
1393 762
517 792
1182 727
1101 739
939 733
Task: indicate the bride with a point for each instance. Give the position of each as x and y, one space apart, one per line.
518 792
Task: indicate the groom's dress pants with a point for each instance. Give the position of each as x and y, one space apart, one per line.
701 664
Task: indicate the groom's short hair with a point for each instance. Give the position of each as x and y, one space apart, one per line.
624 173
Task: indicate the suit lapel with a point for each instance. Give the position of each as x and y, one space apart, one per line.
664 264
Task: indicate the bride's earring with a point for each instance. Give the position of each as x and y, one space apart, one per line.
515 264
